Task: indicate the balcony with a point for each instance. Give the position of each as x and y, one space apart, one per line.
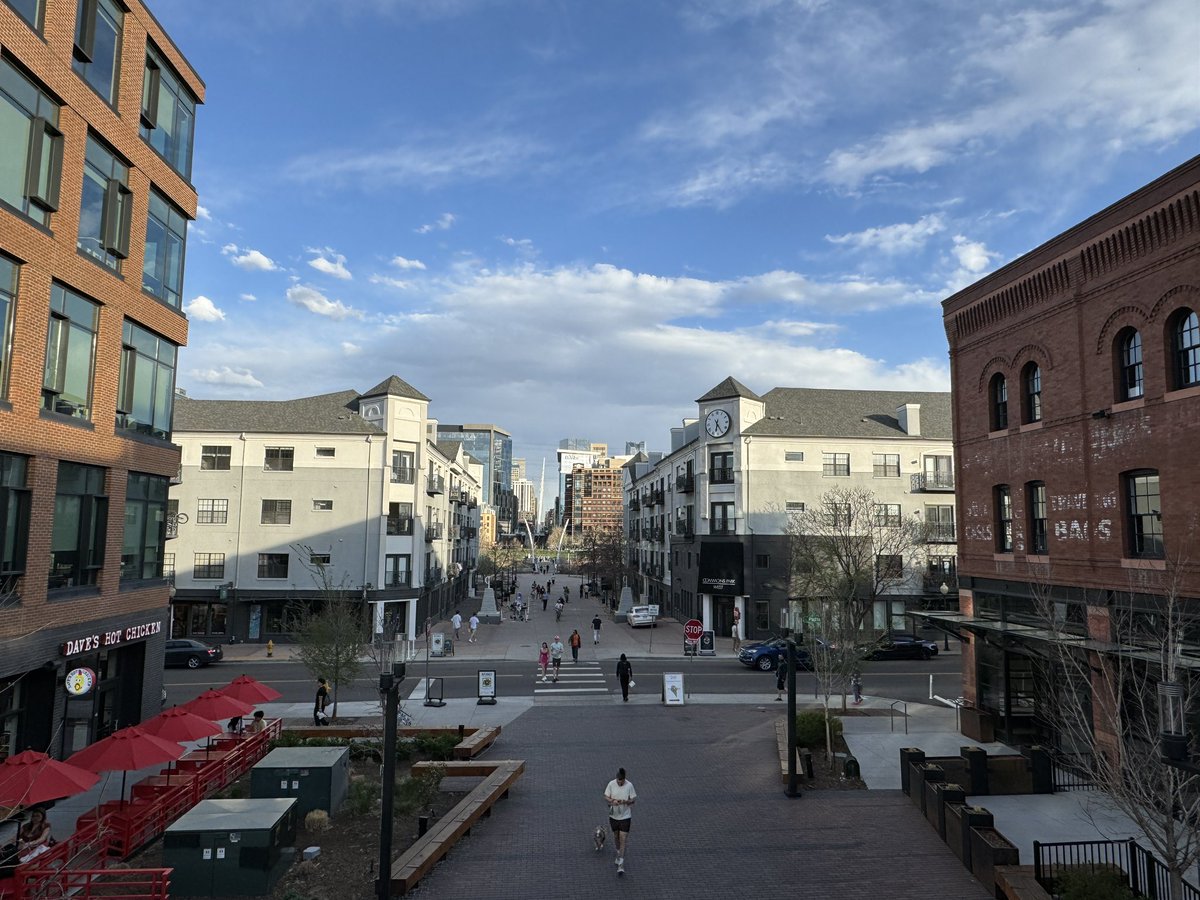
435 484
658 496
433 533
173 523
685 530
657 534
932 583
635 502
685 484
940 533
932 483
401 475
722 526
721 476
399 525
397 580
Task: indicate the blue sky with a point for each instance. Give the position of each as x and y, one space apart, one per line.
573 217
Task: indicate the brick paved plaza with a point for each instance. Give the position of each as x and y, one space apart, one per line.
711 819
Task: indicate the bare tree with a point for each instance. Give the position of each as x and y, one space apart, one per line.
847 552
1105 705
331 633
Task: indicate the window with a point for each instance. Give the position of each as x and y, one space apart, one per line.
840 515
214 458
322 505
145 527
30 146
31 12
208 566
327 452
889 565
795 506
278 459
793 456
939 524
887 515
1185 346
403 467
98 46
169 566
1031 378
400 518
146 389
212 512
168 113
721 519
1144 514
885 465
1129 365
1004 524
14 513
762 560
276 512
1038 535
835 464
272 565
999 399
721 468
8 301
105 207
162 267
70 353
80 526
397 571
319 559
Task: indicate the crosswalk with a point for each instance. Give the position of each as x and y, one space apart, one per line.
582 678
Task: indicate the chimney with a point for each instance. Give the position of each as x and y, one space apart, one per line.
909 416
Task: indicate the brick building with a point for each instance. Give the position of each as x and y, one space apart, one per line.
1076 383
96 113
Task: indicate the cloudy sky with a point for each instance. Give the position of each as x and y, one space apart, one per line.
573 218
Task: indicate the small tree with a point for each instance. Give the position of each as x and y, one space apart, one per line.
330 634
847 552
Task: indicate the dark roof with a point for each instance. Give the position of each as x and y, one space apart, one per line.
806 412
730 387
448 449
396 387
324 414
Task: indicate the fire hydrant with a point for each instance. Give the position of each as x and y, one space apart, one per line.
270 648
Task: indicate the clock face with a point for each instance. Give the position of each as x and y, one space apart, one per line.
717 422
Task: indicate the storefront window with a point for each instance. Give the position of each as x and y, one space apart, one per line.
11 701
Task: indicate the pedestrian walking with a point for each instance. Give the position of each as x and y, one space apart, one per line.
456 621
625 676
856 686
474 625
737 630
781 674
620 796
543 660
575 641
596 629
545 600
558 610
320 702
556 652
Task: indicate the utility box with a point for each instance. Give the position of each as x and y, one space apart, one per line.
225 848
317 777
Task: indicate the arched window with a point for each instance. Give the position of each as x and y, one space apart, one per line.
1185 346
999 402
1031 381
1129 365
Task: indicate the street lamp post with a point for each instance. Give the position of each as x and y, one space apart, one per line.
944 590
389 692
793 787
1172 727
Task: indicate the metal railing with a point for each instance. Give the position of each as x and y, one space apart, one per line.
722 526
635 502
685 530
940 533
685 483
401 475
399 525
722 475
903 714
433 533
931 482
1073 772
435 484
1143 872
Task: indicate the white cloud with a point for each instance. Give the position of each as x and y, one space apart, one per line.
401 262
525 245
226 375
399 283
315 302
972 261
350 349
204 310
724 182
248 259
203 213
330 263
249 298
443 223
903 237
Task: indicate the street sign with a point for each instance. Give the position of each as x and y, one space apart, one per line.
487 687
707 644
672 689
693 629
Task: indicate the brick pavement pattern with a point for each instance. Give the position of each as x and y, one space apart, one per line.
711 819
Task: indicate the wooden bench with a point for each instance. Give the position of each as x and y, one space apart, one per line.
498 776
782 741
1018 883
474 740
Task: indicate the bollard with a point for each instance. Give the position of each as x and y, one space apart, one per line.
270 648
462 733
422 825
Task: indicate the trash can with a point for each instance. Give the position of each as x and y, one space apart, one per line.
850 768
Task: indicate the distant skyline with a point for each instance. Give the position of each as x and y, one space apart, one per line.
576 218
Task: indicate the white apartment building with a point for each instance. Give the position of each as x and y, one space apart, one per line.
273 496
707 521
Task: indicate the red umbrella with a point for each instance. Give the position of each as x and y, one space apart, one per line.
213 705
180 724
31 777
250 690
126 750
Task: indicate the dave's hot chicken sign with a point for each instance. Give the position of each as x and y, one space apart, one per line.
103 639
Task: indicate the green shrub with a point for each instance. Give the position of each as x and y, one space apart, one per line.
417 792
362 796
437 746
1101 884
372 750
287 738
406 749
810 729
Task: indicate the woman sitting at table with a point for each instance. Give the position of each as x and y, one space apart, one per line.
34 836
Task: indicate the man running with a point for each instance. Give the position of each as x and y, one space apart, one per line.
620 797
556 652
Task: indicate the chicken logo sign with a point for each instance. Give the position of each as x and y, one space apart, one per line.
80 681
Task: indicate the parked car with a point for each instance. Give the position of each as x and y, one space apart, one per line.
901 646
190 653
641 615
765 655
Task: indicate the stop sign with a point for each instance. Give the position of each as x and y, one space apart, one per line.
693 629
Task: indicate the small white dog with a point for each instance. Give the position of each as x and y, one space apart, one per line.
599 836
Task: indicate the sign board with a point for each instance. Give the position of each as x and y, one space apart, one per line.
487 686
80 681
672 689
707 644
653 609
103 639
692 629
721 569
437 644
